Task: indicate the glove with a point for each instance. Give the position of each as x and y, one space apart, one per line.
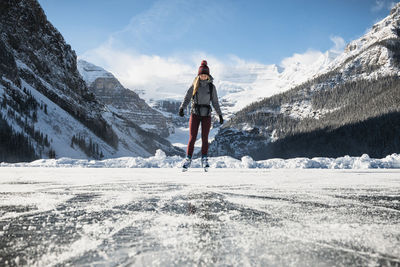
221 120
181 112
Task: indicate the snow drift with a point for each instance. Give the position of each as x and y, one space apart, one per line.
160 160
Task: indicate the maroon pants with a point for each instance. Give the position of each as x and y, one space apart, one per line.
194 124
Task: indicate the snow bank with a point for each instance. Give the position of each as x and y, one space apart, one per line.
160 160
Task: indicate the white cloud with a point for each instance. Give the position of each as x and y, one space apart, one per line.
139 71
166 77
311 56
301 59
339 44
170 76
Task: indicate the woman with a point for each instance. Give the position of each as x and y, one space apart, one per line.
202 92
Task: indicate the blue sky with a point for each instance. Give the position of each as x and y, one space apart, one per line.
157 46
261 31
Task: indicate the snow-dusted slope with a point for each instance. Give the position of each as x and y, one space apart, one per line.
244 84
42 92
334 113
371 57
123 101
46 105
372 48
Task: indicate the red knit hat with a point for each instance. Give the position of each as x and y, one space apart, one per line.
203 69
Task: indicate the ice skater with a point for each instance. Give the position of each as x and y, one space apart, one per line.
201 93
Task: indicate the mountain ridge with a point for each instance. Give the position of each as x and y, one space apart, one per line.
45 103
125 102
365 80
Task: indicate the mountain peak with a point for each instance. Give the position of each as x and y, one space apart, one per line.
374 48
382 30
395 9
91 72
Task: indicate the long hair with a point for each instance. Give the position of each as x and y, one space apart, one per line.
196 83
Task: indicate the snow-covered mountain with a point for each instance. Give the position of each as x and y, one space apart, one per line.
244 84
350 106
241 83
122 101
237 86
46 108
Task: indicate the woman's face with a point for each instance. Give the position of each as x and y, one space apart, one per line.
203 77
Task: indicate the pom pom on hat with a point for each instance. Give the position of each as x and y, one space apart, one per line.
203 69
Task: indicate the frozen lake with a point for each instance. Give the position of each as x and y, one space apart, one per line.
162 217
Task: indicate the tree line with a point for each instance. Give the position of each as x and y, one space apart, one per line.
355 108
91 149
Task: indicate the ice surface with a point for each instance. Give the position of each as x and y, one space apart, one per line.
160 160
227 217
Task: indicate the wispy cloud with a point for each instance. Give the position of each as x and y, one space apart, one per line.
382 5
339 43
393 4
168 21
378 6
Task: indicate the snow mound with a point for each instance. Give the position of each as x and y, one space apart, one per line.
160 160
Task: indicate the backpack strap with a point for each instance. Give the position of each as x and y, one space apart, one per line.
196 103
211 88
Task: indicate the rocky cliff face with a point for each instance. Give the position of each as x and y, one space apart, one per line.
334 114
46 108
121 100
